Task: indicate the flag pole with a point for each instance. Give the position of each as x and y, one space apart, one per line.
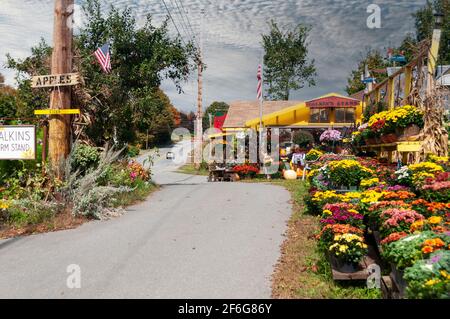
261 113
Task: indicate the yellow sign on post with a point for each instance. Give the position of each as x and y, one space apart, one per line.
57 112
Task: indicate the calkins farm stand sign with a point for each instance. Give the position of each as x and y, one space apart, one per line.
17 142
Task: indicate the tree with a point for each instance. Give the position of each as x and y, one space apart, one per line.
286 61
425 21
8 101
213 109
36 64
125 104
187 121
374 60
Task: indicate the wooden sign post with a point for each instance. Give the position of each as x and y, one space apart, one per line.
59 125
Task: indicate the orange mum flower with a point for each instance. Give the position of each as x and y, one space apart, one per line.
439 242
427 250
430 242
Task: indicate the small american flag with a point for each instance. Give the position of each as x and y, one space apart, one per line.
103 56
259 88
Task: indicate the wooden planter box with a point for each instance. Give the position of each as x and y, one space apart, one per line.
361 274
406 133
389 138
377 237
398 280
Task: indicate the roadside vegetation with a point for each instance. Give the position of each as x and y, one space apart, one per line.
97 184
303 272
192 170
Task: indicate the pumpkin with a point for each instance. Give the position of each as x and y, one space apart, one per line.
290 175
299 172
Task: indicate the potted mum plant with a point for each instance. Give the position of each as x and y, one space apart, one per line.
330 138
347 174
347 251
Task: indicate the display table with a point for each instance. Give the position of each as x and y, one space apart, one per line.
403 148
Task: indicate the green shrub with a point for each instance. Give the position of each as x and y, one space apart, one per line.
303 138
27 212
84 158
133 151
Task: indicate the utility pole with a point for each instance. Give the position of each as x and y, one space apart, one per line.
59 125
199 132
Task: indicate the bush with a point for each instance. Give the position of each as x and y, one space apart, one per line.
303 138
133 151
21 213
84 158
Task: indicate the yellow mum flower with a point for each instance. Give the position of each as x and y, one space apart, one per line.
328 212
432 282
343 248
435 220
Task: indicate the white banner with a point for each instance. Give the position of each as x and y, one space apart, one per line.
17 142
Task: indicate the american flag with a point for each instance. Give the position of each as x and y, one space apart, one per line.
103 56
259 88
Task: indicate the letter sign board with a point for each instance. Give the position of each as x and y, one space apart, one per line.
17 142
47 81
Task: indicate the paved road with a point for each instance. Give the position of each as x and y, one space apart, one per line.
191 239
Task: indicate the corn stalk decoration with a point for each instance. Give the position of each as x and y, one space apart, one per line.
434 134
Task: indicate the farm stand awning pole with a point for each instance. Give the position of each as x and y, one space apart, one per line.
59 125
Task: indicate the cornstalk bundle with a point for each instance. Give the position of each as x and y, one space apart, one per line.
435 136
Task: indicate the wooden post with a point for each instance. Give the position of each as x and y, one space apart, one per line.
433 58
408 81
391 93
44 144
59 128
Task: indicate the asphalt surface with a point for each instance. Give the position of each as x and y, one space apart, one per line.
191 239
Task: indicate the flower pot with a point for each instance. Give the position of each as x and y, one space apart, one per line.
344 266
397 276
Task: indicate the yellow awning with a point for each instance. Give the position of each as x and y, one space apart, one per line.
298 115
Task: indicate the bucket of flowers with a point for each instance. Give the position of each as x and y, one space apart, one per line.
347 174
331 137
347 251
246 171
396 220
329 231
342 213
313 155
437 188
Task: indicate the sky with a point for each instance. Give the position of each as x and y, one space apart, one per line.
231 32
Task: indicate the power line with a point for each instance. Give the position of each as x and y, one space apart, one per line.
188 21
183 23
173 21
